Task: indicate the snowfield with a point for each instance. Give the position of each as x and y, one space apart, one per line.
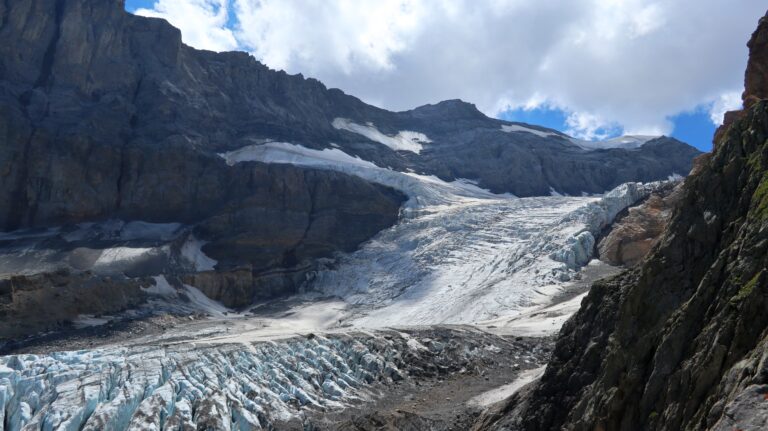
405 140
509 128
627 142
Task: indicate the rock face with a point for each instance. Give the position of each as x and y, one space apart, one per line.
680 342
756 76
632 235
33 303
105 114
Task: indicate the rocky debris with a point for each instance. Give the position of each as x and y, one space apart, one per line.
51 300
632 235
678 342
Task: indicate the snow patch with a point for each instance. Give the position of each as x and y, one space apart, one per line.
423 190
204 303
118 255
501 393
675 177
192 252
509 128
161 287
628 142
89 320
405 140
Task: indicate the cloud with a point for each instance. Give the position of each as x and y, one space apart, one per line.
203 23
726 102
607 63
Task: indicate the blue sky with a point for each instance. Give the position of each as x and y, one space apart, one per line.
132 5
591 68
695 127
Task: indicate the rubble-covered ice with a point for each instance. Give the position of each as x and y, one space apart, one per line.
111 247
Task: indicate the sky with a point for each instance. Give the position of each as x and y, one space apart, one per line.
594 69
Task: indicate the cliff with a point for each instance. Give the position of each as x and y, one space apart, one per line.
679 342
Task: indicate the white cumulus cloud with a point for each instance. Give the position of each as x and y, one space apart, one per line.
203 23
607 63
726 102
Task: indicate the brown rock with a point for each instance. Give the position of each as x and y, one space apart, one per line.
633 235
46 301
756 76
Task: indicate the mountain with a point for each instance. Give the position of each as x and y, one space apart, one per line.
115 137
125 154
679 342
90 91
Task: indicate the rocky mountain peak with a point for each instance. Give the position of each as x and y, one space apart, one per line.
756 76
453 108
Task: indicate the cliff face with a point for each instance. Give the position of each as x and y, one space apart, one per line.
103 113
105 116
680 342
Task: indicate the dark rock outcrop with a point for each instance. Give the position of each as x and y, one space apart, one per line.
45 301
103 113
633 234
680 342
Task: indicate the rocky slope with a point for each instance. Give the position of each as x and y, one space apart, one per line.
679 342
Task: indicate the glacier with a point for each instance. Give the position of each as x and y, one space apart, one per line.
459 256
174 384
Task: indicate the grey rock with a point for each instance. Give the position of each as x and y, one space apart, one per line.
103 112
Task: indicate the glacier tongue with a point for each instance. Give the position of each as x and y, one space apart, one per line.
461 254
238 386
475 260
